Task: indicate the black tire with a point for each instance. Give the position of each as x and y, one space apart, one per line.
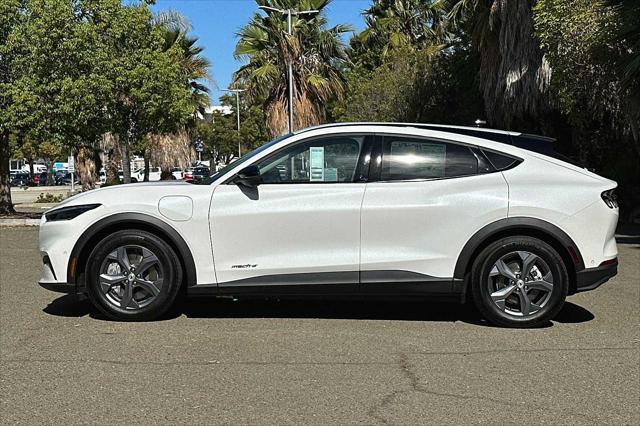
168 268
481 282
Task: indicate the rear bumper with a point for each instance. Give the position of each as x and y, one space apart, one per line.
592 278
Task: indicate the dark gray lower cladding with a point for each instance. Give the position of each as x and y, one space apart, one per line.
383 283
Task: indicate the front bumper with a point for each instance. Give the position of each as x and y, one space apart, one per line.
592 278
69 288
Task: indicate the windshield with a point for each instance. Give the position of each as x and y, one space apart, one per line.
242 159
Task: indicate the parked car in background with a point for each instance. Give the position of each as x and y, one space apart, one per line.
197 174
154 174
59 177
40 179
66 179
121 177
21 179
177 173
188 174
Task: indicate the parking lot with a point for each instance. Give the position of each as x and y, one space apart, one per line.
248 362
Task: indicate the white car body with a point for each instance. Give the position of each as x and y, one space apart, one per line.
367 233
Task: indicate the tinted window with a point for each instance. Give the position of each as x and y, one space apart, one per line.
499 161
406 158
331 159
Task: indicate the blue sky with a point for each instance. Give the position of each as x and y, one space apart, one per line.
215 23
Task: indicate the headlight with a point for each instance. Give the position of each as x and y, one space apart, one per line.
68 213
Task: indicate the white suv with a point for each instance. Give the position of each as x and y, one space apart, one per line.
366 210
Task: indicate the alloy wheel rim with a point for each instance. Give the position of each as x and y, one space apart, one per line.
520 283
131 277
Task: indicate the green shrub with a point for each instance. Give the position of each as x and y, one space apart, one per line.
49 198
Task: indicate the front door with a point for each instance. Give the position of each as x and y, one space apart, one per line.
300 228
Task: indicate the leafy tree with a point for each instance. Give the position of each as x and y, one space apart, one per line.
14 104
588 46
174 149
397 24
56 63
428 85
317 54
148 94
195 68
514 75
220 136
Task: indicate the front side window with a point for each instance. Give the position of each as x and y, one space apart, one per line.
408 158
325 160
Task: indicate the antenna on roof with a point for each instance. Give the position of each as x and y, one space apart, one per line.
479 123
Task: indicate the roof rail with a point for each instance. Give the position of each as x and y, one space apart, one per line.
536 143
443 127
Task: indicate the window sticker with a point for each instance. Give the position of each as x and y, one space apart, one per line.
331 174
316 163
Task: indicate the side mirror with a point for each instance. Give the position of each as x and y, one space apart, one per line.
249 176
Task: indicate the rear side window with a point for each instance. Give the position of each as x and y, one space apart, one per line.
412 158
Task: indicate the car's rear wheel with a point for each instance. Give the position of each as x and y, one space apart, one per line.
519 282
133 275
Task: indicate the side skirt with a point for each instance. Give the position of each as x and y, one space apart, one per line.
372 284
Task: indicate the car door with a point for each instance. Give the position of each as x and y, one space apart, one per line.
428 197
299 230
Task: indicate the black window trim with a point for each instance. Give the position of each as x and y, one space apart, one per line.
379 151
360 176
517 160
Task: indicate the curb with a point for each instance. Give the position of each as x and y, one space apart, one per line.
7 223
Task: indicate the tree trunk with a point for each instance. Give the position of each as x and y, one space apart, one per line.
48 162
6 206
30 160
98 162
146 166
126 162
110 144
166 174
86 169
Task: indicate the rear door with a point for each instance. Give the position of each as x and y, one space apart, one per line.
298 231
428 197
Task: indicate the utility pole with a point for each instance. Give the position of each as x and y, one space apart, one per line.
289 13
237 92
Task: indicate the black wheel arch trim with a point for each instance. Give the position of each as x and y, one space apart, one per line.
136 220
513 223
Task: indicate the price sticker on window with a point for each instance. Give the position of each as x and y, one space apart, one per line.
316 163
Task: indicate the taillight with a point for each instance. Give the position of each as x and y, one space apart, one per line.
610 199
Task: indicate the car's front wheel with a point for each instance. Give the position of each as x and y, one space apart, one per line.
133 275
519 282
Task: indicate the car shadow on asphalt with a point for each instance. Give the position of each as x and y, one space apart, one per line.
73 306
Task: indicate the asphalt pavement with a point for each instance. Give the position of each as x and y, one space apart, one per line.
269 362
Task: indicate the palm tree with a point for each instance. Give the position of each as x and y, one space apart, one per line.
397 24
317 54
514 74
174 149
195 66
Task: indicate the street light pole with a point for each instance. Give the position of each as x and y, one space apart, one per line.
290 72
237 92
289 13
